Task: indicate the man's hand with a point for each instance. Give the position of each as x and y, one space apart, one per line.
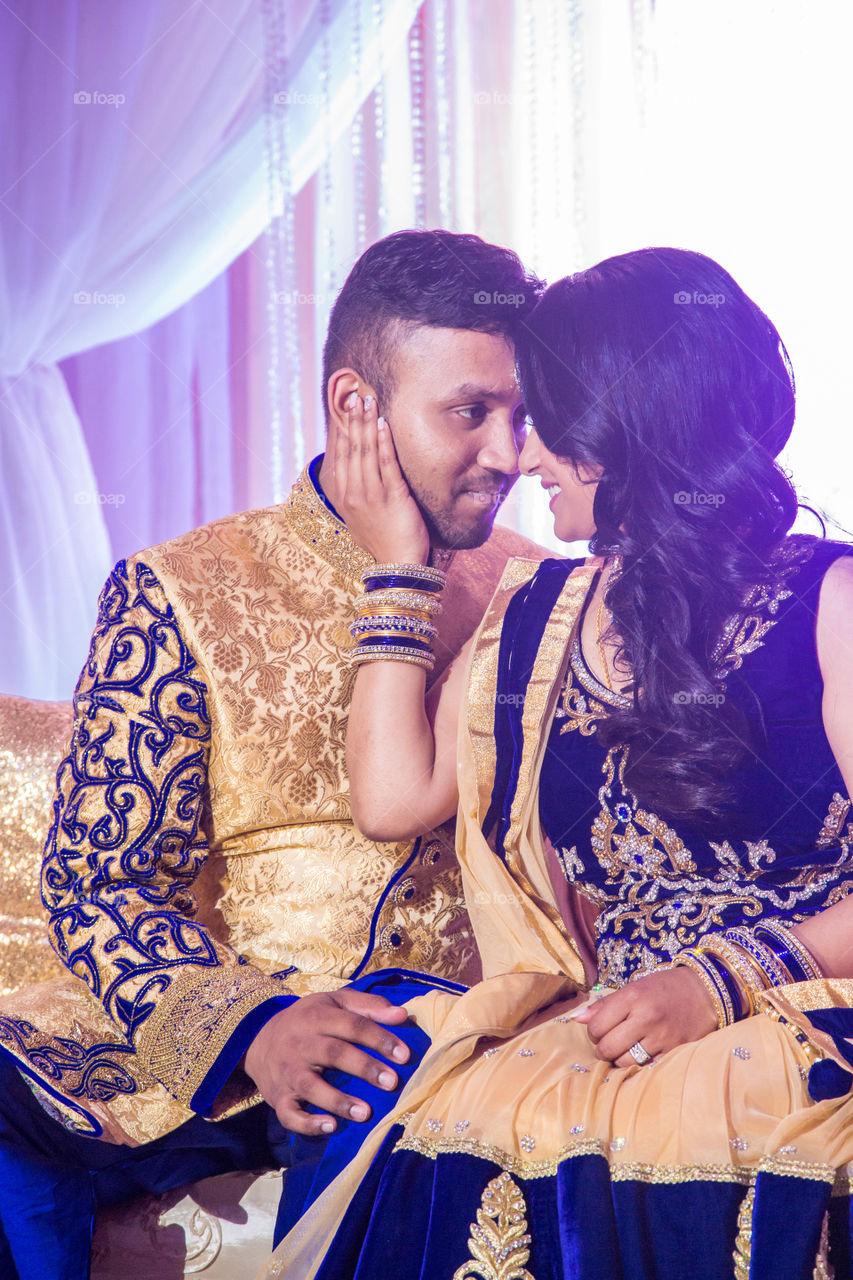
288 1055
658 1012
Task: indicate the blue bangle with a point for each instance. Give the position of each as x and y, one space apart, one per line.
776 938
387 642
402 580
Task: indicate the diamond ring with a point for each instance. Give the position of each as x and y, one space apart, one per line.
639 1054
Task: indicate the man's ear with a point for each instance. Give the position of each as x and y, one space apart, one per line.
339 388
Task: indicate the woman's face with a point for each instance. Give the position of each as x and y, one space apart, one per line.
571 488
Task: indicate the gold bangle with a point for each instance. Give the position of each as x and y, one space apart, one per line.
744 972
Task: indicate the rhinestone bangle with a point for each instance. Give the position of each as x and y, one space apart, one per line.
794 954
400 598
395 653
770 964
393 624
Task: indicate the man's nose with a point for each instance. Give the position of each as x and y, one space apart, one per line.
499 452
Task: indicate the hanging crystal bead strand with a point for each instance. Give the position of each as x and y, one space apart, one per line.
274 110
556 108
577 80
280 259
644 57
357 134
532 101
379 125
442 103
328 203
416 74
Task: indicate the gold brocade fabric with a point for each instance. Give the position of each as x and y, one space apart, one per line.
203 817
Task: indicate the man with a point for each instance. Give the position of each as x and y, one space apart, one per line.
230 936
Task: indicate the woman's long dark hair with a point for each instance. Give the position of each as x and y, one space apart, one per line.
657 368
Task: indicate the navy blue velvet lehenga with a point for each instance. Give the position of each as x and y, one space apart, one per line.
514 1154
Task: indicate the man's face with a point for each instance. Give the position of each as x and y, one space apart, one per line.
458 424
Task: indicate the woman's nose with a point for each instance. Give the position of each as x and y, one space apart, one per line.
528 459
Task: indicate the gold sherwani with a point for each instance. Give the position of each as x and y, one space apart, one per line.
202 860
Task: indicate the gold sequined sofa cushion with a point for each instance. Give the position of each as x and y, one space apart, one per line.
218 1228
33 737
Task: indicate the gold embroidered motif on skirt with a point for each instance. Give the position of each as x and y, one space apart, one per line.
823 1268
743 1243
499 1242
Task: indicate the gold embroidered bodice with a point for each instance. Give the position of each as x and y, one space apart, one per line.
782 851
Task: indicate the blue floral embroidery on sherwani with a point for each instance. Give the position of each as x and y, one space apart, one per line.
127 838
97 868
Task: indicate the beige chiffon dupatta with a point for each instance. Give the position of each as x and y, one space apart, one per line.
529 960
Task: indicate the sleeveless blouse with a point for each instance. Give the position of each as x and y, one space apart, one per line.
784 850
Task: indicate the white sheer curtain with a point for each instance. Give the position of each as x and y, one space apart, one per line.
124 177
132 172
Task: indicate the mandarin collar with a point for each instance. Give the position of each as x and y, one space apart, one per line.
316 523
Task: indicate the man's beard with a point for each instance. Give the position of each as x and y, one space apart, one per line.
447 531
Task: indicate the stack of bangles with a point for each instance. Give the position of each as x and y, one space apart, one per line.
736 966
395 617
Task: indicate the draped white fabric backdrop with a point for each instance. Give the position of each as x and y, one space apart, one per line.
568 129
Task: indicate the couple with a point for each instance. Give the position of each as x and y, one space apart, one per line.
236 951
657 740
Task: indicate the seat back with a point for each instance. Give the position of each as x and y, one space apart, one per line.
34 737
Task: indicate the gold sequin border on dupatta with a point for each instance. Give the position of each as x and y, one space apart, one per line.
483 678
525 862
620 1171
542 695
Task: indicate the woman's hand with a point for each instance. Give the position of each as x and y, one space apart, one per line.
372 496
659 1012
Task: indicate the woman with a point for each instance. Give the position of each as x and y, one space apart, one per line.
666 730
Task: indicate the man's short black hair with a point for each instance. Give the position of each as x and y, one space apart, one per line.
415 278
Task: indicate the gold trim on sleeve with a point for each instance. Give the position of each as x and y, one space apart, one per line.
194 1020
